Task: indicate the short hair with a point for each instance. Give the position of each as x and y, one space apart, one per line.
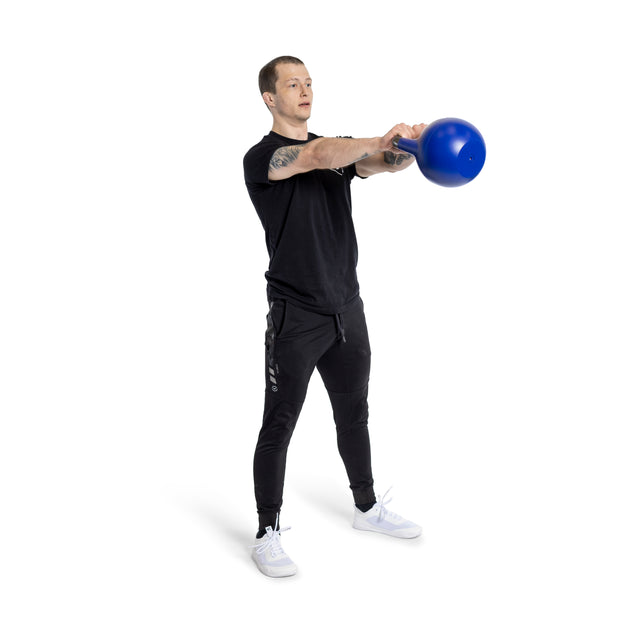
269 74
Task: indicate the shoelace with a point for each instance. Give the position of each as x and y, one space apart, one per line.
384 513
270 542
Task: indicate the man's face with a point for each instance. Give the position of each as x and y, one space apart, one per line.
294 96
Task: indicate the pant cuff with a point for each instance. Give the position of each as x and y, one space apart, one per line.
268 519
364 496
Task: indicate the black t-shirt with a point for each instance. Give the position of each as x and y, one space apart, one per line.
309 230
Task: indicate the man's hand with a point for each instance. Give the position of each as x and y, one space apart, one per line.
402 130
391 159
418 129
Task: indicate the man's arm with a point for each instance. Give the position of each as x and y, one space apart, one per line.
332 153
321 153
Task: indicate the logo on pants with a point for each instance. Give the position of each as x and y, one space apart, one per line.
272 378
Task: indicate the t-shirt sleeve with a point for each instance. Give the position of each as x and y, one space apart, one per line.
256 163
350 171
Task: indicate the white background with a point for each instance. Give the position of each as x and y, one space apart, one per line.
503 317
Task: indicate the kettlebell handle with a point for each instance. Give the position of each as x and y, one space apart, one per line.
406 144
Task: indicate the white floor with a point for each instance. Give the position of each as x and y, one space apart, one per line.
144 531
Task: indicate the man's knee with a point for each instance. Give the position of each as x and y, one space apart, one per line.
350 410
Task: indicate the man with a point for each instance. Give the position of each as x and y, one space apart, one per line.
299 184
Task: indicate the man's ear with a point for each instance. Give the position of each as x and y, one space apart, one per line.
268 99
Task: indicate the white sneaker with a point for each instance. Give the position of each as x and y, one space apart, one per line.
381 520
270 557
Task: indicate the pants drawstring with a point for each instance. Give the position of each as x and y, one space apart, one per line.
340 327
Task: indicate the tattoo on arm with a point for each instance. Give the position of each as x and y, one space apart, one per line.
396 159
284 156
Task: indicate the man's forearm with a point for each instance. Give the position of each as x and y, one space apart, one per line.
332 153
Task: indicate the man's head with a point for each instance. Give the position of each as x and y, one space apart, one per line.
285 86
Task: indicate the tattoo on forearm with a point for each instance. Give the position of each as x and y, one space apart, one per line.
396 159
284 156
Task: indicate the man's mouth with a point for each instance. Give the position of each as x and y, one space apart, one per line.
305 104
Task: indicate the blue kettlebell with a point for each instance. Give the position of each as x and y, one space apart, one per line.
449 152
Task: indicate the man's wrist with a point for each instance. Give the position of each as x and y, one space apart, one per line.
378 146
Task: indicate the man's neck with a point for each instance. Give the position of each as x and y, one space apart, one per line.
297 131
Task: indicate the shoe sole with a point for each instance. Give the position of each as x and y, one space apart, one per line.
400 533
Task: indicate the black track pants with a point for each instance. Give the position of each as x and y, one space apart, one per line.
298 342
